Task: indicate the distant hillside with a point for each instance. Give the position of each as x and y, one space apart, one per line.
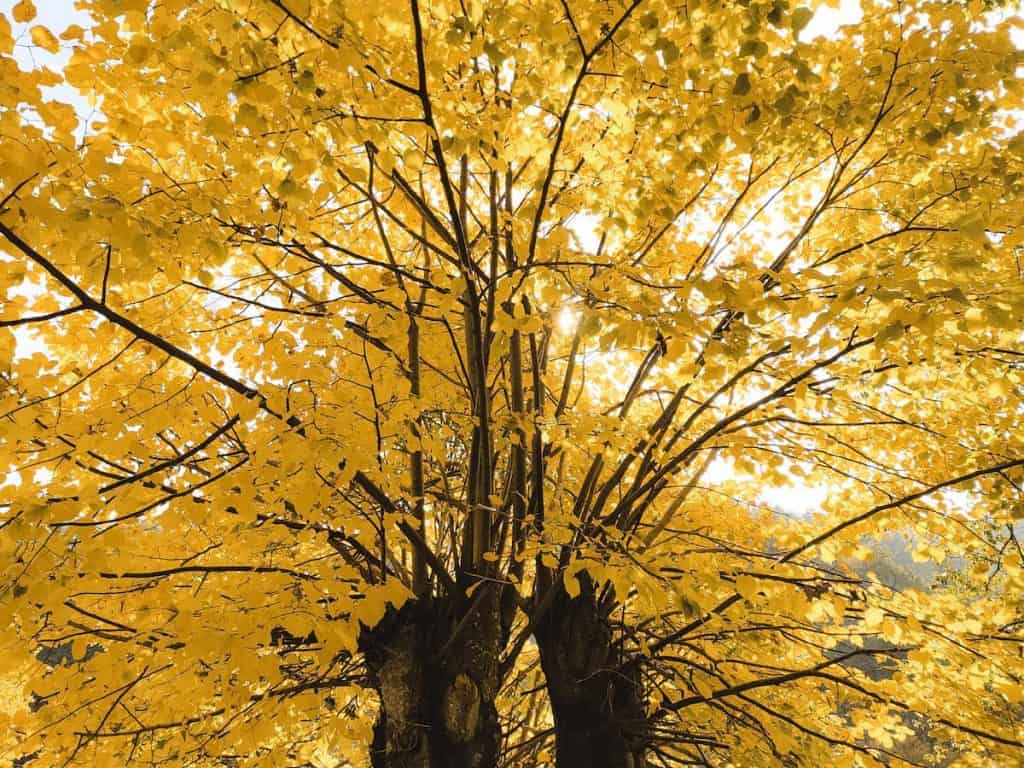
893 563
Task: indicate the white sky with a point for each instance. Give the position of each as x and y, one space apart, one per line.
56 15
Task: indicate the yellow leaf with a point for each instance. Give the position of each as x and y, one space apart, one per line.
873 617
73 32
44 38
24 11
702 687
6 40
571 583
972 225
746 586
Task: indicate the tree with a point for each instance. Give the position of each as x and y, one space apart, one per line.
398 384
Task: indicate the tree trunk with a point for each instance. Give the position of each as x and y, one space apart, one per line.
435 668
597 702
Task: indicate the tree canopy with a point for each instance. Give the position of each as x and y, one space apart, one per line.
400 384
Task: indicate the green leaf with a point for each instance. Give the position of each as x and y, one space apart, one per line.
669 50
800 19
756 48
742 85
785 104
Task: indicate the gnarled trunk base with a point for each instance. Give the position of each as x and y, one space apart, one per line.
437 687
597 703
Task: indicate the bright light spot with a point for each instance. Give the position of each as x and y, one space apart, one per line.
827 21
801 500
718 471
566 320
584 230
795 499
1017 36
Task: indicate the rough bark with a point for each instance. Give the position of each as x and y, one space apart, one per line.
435 667
598 708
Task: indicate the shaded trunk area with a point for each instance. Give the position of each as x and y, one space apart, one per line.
597 703
435 667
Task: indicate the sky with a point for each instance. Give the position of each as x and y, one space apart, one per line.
56 15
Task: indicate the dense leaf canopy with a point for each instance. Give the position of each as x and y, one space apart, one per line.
328 308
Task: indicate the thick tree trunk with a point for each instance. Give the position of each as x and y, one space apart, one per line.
436 672
597 702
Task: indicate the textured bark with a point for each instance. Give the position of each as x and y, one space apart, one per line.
393 658
435 668
597 703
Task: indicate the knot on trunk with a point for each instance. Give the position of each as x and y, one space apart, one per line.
462 708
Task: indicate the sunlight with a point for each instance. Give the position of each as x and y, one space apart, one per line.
795 498
567 320
828 18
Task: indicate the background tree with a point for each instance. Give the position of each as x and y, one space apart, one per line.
401 383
